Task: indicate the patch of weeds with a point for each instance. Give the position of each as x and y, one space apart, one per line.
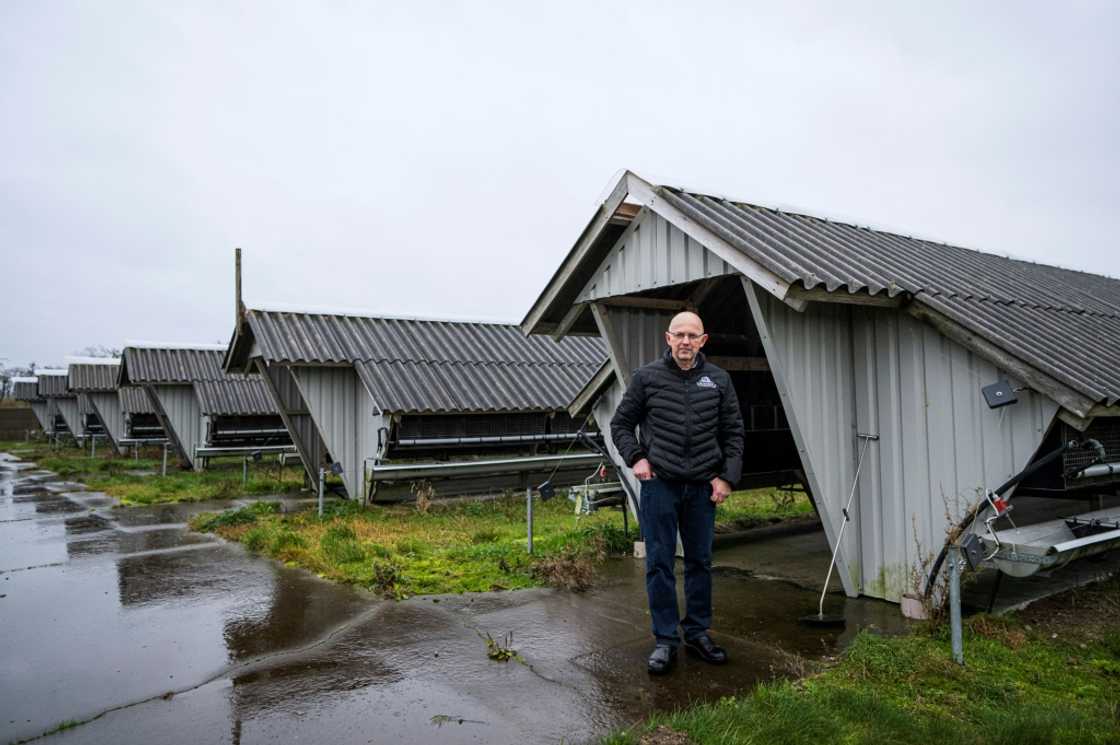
614 540
340 545
344 508
62 727
423 491
570 570
378 551
386 578
664 735
413 547
285 541
486 535
998 628
256 538
208 522
1111 643
501 650
226 490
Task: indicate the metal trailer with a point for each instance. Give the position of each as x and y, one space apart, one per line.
833 330
368 392
27 389
203 412
94 380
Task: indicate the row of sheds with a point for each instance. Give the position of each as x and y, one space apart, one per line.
85 400
337 388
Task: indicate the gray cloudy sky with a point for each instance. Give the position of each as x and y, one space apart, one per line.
439 159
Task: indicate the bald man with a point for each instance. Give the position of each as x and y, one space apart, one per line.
688 458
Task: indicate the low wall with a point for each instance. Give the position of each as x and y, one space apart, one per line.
14 423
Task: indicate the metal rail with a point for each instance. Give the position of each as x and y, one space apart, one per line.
412 471
209 452
480 440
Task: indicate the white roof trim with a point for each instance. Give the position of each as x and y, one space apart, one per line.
366 313
92 360
174 345
25 380
51 371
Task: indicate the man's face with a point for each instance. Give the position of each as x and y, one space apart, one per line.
685 337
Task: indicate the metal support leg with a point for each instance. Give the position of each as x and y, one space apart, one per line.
164 468
955 604
245 471
92 446
529 515
322 478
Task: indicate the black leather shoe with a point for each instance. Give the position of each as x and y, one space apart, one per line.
661 659
704 648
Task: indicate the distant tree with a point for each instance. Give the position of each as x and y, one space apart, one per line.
100 350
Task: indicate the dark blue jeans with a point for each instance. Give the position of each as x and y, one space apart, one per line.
669 506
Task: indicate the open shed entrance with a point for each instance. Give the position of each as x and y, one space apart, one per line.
770 456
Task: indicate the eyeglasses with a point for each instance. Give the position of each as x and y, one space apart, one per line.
685 336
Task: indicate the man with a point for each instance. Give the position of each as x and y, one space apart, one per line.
689 457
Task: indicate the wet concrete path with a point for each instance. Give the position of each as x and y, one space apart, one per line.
125 621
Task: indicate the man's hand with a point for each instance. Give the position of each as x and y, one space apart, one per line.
720 489
643 471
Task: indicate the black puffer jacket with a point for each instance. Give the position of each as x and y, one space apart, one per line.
691 426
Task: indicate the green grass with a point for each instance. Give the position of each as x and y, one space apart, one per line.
221 481
110 474
750 509
1020 685
400 551
467 546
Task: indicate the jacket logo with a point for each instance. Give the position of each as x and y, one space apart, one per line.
706 382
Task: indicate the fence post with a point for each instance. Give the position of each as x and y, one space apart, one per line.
529 515
322 478
955 604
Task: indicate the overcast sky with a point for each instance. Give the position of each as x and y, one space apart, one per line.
439 159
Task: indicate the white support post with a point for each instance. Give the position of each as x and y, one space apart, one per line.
529 516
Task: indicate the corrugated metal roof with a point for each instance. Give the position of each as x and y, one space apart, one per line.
86 377
1062 322
427 366
292 337
25 389
170 365
234 397
135 400
449 387
54 384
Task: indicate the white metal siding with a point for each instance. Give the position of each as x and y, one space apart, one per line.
641 335
845 369
603 411
51 409
107 406
652 253
68 407
346 419
40 409
181 417
282 387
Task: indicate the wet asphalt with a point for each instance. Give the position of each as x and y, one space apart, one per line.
124 623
